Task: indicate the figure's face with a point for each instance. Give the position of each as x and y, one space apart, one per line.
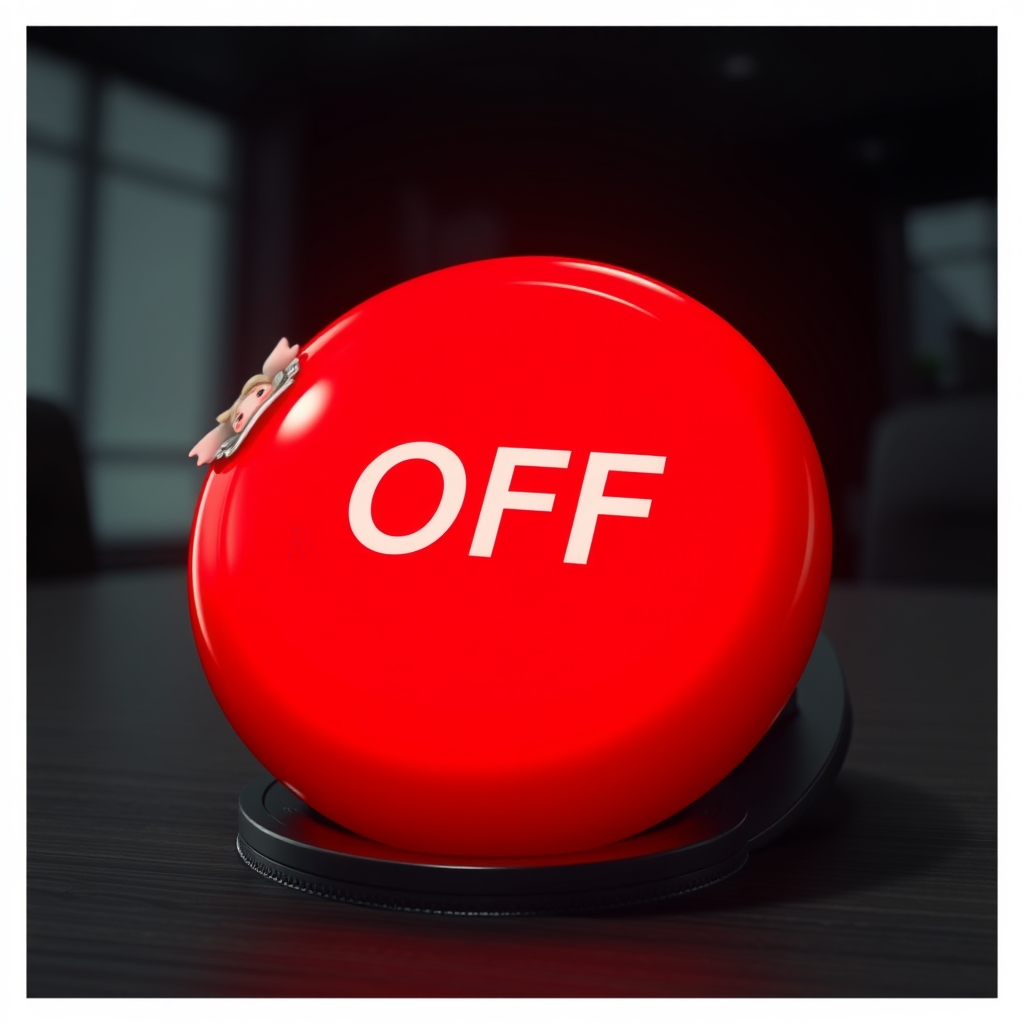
249 405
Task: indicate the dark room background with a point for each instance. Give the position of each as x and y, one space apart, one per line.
195 194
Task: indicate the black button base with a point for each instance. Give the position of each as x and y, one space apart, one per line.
288 842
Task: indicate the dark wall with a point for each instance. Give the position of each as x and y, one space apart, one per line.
764 172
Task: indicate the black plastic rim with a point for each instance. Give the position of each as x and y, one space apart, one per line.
288 842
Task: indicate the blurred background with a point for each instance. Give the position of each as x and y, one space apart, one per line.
195 194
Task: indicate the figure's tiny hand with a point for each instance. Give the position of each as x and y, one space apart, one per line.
282 355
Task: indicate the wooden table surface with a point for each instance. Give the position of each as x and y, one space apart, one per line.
135 888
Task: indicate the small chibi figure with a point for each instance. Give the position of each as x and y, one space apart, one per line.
278 372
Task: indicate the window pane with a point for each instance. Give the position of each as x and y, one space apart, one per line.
55 92
950 230
952 251
157 339
162 134
970 286
53 197
142 501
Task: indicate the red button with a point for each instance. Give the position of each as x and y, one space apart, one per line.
529 555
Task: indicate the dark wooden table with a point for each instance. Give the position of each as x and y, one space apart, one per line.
134 886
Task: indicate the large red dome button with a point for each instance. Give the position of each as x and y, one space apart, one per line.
528 556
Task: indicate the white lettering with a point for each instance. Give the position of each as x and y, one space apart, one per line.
498 497
593 502
361 520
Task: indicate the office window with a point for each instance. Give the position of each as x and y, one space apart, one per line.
56 93
951 249
128 224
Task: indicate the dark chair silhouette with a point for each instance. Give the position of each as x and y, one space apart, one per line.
59 537
931 495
